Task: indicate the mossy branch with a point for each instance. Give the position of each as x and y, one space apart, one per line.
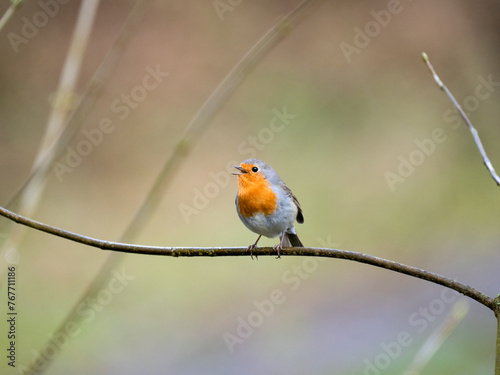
261 251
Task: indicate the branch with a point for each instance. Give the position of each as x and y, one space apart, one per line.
61 107
88 98
473 130
243 251
14 5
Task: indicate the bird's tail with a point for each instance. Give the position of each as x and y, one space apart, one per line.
292 240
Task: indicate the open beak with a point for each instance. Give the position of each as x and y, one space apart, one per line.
240 169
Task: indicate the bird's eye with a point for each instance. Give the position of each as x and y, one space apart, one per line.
255 169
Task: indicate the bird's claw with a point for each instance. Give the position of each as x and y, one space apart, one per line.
250 248
278 248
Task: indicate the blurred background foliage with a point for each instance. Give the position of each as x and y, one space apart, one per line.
356 119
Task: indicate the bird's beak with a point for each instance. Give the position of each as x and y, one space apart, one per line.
242 170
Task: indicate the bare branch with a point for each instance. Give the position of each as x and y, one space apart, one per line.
472 129
15 4
243 251
93 91
62 105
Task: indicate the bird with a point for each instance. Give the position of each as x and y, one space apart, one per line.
266 205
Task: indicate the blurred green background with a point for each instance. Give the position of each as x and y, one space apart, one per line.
357 117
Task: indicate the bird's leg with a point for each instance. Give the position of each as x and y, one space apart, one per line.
279 246
251 247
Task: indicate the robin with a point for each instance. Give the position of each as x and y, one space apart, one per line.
266 205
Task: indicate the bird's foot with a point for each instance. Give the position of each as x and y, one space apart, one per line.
250 248
278 248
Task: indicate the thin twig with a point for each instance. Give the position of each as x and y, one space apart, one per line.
89 97
432 344
472 129
62 105
15 4
497 357
243 251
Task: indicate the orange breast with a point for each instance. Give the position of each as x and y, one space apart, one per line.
255 195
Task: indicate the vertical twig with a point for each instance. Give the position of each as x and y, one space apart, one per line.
63 103
65 98
497 353
92 93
